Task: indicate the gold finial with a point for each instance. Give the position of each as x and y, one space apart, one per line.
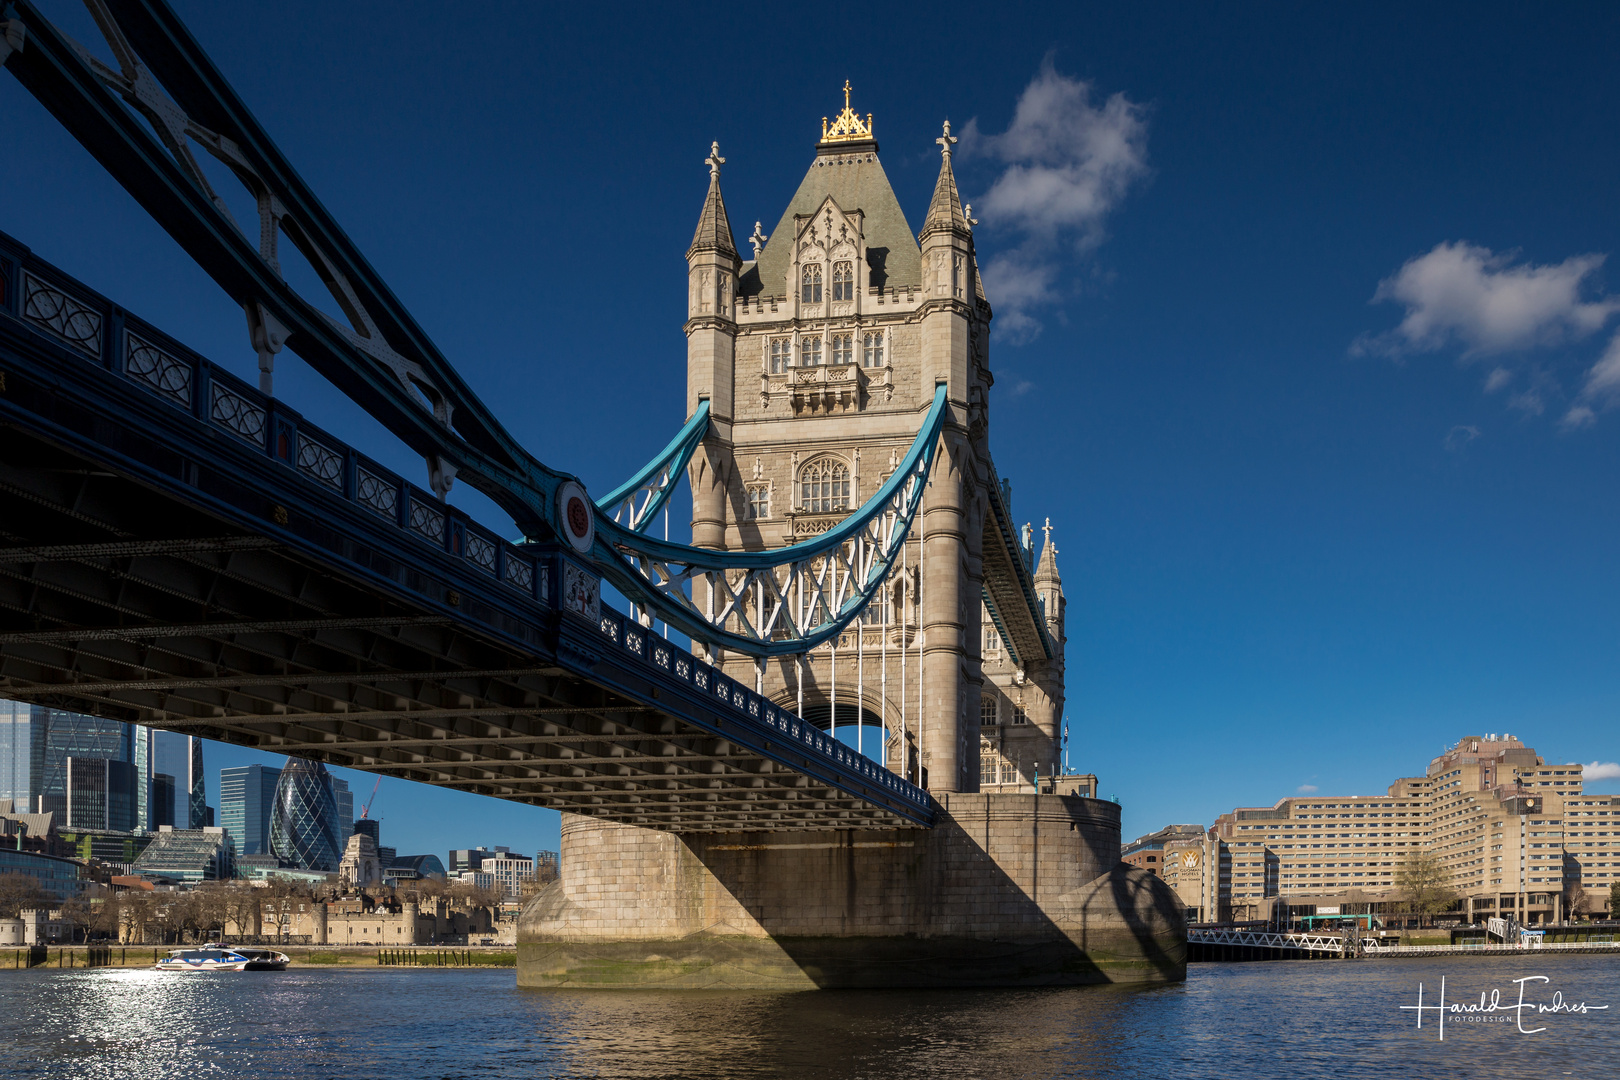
848 126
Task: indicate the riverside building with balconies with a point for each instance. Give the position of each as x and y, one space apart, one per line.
1517 837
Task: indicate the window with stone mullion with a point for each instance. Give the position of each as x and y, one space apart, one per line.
843 281
843 349
781 355
759 503
824 487
809 352
810 281
873 351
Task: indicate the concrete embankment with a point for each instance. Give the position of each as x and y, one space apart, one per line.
75 957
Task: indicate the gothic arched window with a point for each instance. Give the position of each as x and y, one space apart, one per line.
843 349
843 281
811 280
809 352
873 356
781 355
824 487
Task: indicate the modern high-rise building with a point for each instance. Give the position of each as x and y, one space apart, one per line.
36 744
371 827
247 801
16 743
304 824
144 761
100 794
196 788
344 798
162 790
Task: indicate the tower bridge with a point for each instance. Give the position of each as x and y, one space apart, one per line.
183 550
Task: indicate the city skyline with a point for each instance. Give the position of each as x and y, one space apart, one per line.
1297 497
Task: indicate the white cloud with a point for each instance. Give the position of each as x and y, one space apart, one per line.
1460 436
1489 303
1601 770
1306 789
1601 390
1492 304
1068 163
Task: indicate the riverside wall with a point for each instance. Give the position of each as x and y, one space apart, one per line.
1006 890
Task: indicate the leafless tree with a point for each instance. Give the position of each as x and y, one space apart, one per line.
1424 881
136 911
241 902
212 902
20 892
281 898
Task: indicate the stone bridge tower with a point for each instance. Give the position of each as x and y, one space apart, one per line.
820 357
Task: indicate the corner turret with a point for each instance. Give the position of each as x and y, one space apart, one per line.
711 348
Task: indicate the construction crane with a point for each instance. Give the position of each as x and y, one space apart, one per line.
365 811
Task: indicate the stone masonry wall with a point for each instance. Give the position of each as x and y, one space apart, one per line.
1006 890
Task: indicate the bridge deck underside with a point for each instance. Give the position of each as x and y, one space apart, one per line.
137 584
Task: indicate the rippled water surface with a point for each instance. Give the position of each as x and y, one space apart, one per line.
1299 1020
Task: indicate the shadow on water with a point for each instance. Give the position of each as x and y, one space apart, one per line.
848 1033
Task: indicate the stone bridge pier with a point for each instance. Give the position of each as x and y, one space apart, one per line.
1006 890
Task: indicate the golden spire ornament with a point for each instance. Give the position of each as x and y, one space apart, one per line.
847 127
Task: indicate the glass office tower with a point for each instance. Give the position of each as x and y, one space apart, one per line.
196 790
16 742
304 825
247 802
36 744
100 794
345 810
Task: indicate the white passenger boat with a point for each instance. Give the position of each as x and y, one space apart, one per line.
216 957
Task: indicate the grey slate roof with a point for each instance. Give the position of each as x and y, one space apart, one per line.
714 227
1047 569
853 176
945 209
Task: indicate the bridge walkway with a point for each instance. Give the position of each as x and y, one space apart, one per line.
181 551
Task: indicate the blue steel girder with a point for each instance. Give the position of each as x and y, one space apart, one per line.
128 462
383 359
1009 590
781 601
761 603
635 503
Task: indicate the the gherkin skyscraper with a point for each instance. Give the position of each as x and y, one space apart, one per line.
303 827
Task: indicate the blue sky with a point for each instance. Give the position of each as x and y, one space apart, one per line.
1305 336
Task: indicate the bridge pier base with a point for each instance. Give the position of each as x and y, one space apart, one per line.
1006 890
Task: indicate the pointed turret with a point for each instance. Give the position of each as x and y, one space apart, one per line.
945 209
714 227
1046 572
711 348
1049 589
949 290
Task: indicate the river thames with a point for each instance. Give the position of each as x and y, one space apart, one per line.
1304 1019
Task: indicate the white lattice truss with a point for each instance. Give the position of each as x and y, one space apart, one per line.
634 504
1324 943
